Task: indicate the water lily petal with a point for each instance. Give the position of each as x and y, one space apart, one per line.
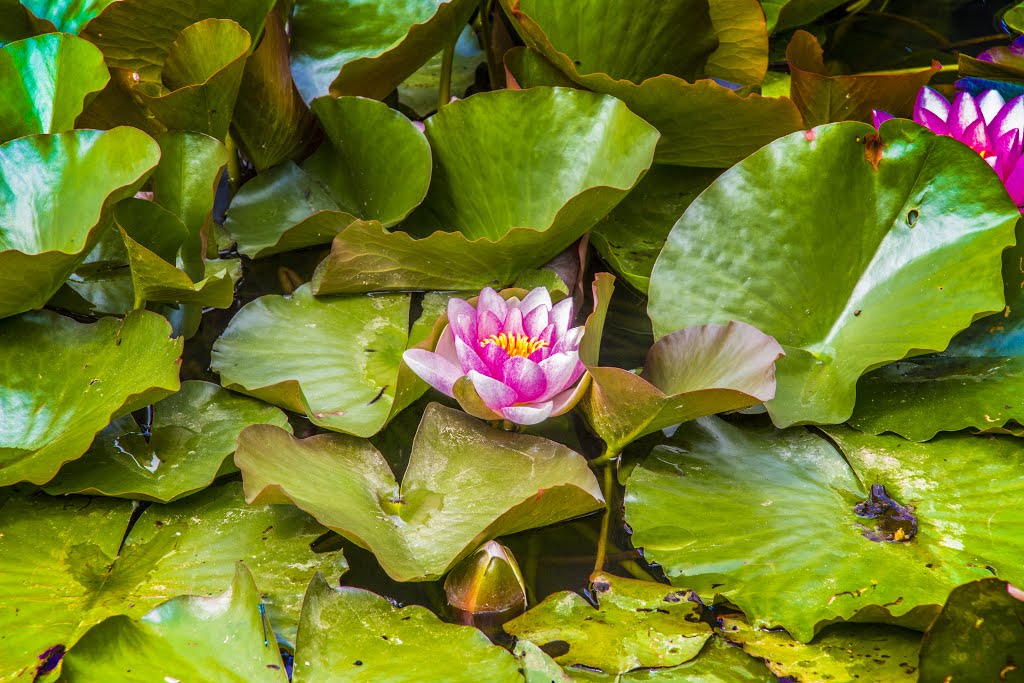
492 301
525 378
561 316
527 415
469 359
879 117
567 400
488 325
1007 150
513 323
929 100
976 137
463 319
535 321
495 357
932 122
1015 184
569 342
1009 118
538 297
495 394
433 369
990 103
561 370
964 112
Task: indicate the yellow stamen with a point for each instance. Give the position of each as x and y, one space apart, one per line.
515 344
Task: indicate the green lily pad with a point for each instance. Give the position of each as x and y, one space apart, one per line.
363 47
663 79
934 204
189 637
630 238
189 442
1013 18
64 381
56 193
783 14
977 381
978 636
51 596
465 235
154 279
351 176
823 98
688 374
785 544
350 634
420 529
537 666
46 81
136 35
842 652
66 16
420 91
271 123
336 360
185 183
635 624
201 78
718 662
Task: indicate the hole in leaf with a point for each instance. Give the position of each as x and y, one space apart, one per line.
894 523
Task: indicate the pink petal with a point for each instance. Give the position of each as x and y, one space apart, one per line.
468 357
565 401
492 301
488 325
527 415
493 393
1007 149
537 297
525 378
964 113
513 323
432 369
495 358
879 117
561 316
560 370
1015 184
932 122
931 101
1009 118
446 346
462 319
535 321
569 342
990 103
975 137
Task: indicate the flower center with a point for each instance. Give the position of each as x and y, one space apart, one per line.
515 344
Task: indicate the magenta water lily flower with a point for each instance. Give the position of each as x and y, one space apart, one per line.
521 357
987 124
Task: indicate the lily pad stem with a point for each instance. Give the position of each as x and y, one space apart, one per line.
234 170
444 92
609 494
486 37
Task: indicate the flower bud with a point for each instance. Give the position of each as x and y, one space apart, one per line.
487 584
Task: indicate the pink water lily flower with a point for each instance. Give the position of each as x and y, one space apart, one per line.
521 357
987 124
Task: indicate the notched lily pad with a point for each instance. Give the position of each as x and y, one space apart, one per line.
64 381
46 81
931 241
787 544
336 360
465 483
192 434
464 235
634 624
55 197
895 523
355 635
222 637
350 177
353 47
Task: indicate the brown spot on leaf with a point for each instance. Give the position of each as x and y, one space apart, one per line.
873 150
